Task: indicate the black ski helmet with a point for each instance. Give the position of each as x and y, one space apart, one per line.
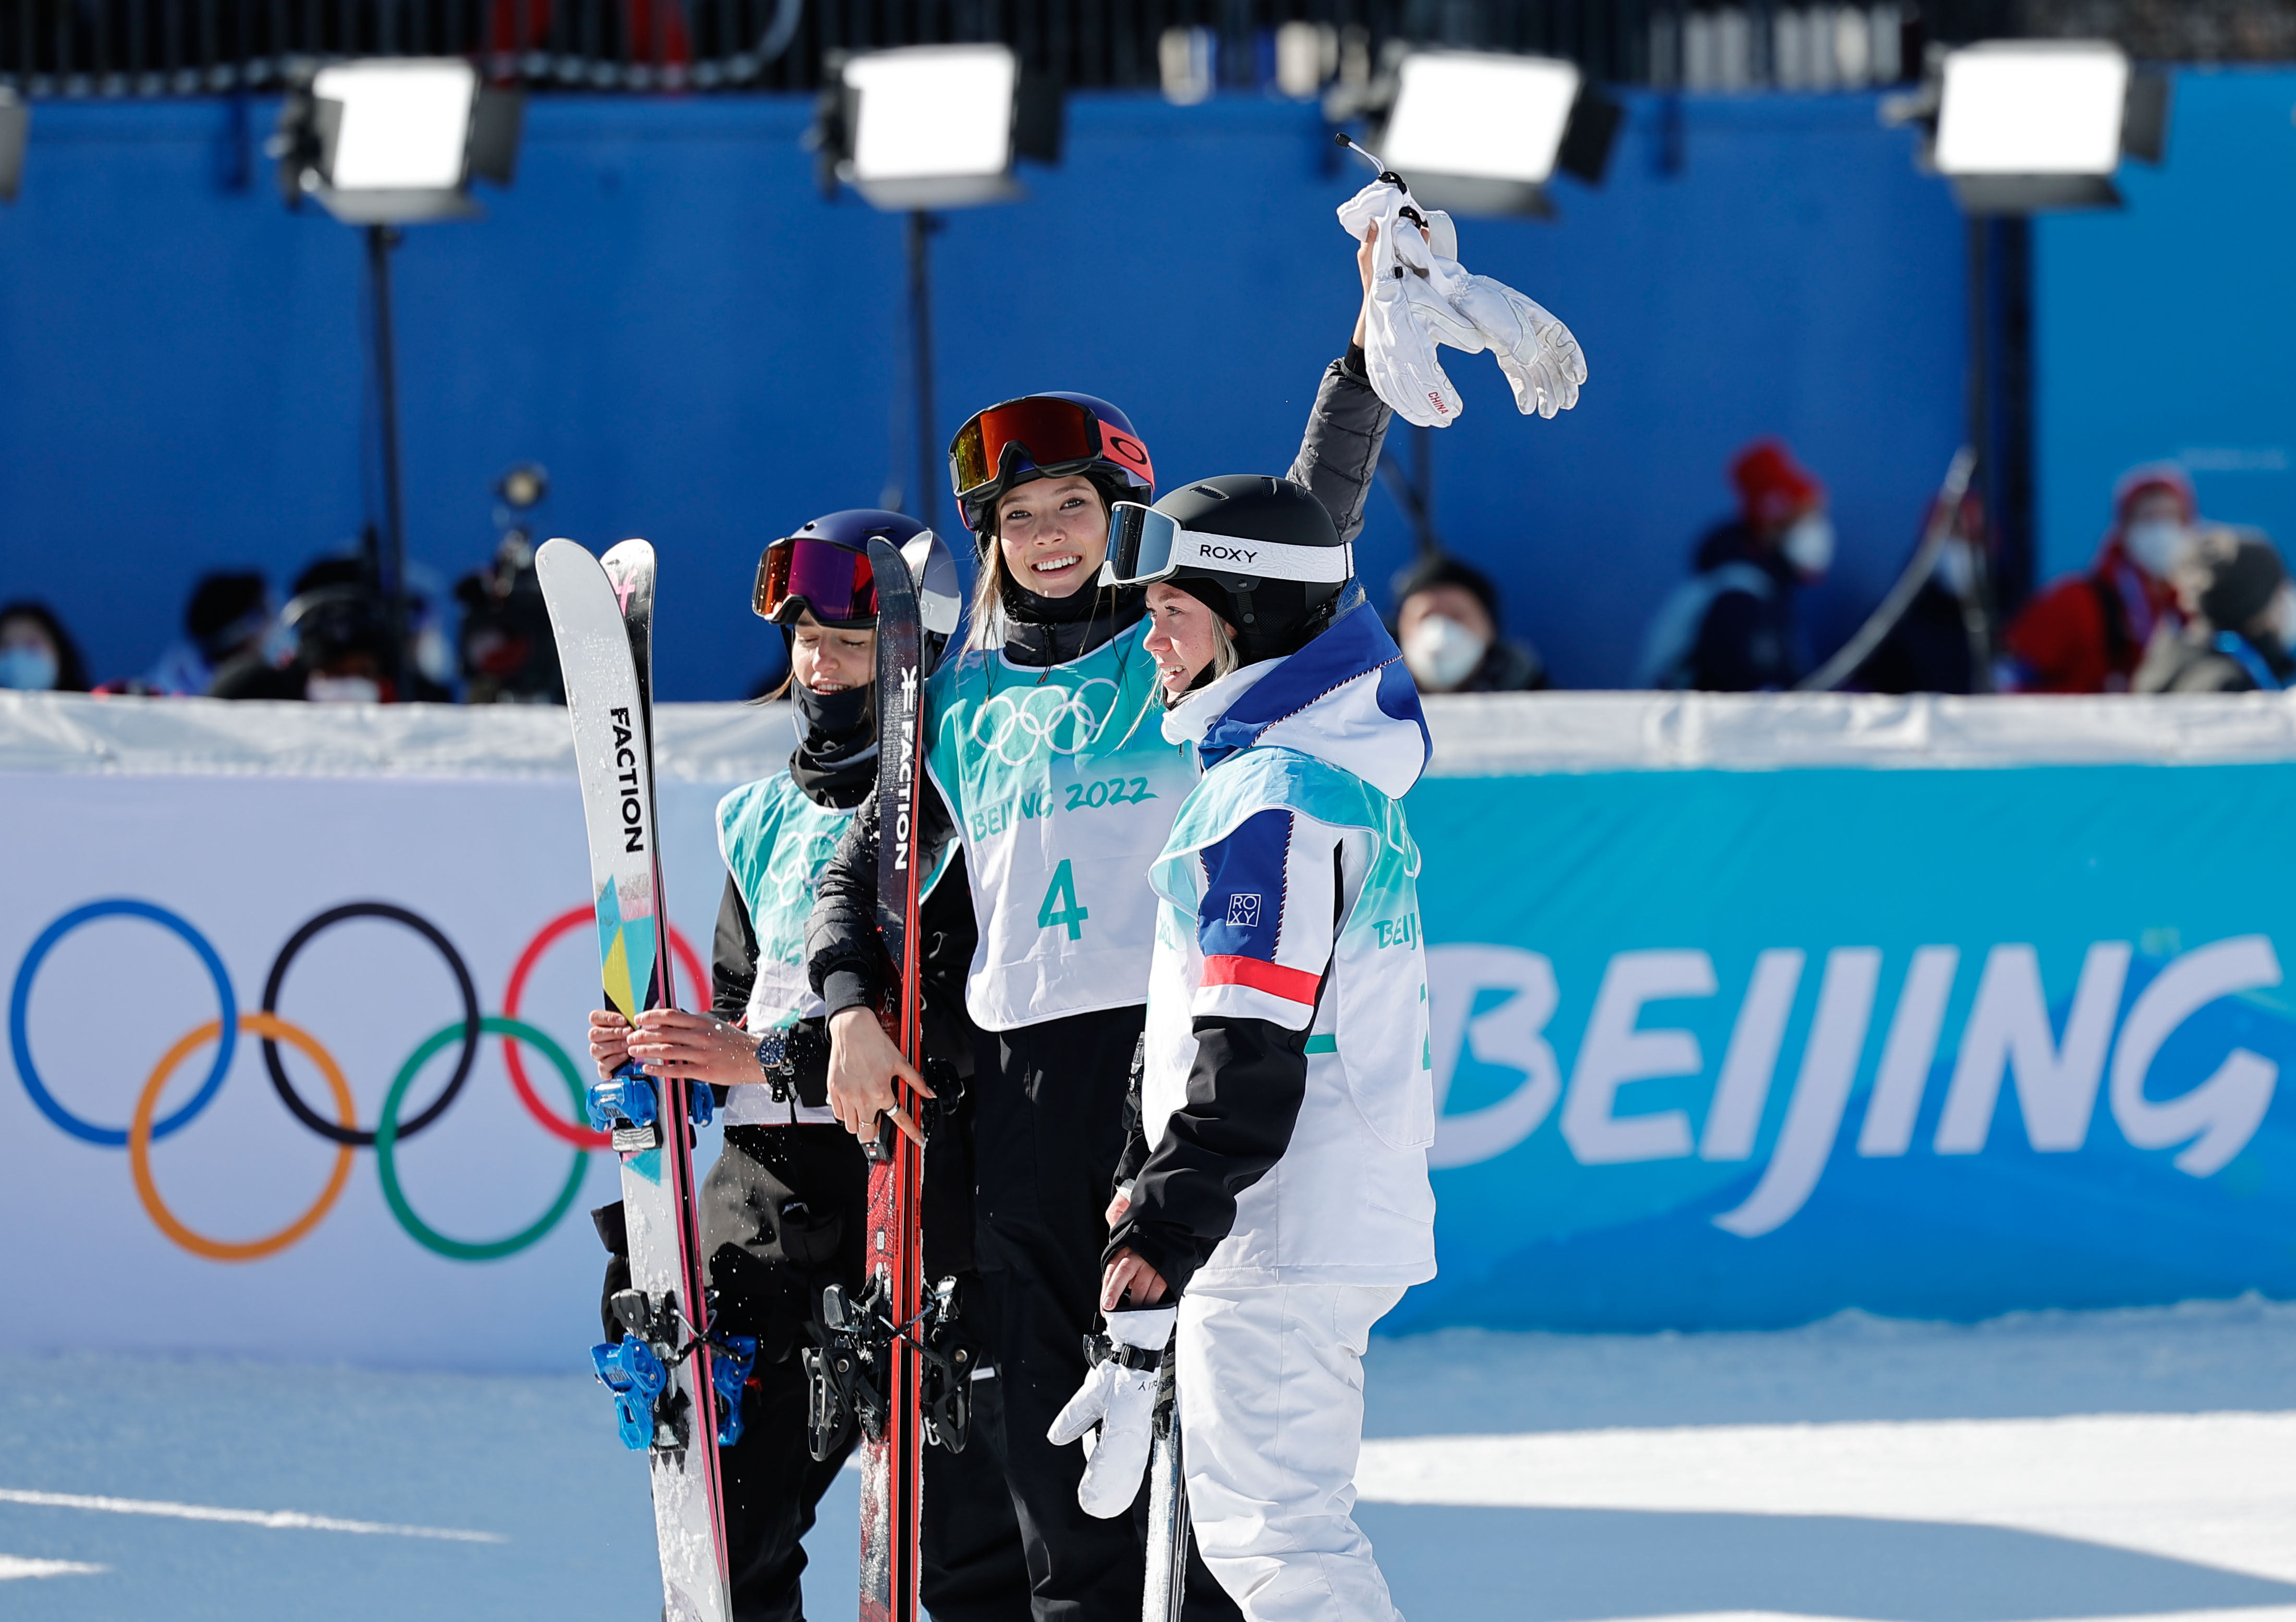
849 598
1259 551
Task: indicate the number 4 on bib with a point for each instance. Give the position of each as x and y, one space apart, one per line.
1061 905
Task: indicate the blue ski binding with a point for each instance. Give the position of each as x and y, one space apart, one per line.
731 1358
629 1369
629 1100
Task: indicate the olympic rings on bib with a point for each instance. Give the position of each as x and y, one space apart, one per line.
388 1135
19 1001
514 993
1061 720
140 1134
429 931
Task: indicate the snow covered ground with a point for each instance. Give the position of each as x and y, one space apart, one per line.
2055 1465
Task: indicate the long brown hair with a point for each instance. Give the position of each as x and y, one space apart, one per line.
985 627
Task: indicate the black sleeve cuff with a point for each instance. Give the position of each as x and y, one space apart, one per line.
845 989
1176 1264
1354 364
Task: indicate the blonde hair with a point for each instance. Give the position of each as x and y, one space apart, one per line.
1224 658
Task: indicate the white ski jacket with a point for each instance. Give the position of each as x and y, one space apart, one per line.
1289 920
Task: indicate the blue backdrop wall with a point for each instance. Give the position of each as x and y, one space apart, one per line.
2162 329
665 312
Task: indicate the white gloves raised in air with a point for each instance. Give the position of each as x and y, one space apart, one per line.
1122 1401
1422 296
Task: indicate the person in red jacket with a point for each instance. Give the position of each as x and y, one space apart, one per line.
2086 632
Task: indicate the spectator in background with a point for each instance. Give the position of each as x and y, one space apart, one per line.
2238 620
1447 621
508 654
340 632
228 616
1731 627
37 653
2087 633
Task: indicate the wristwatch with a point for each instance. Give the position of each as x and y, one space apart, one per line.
773 1060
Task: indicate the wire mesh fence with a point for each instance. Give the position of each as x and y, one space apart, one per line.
121 48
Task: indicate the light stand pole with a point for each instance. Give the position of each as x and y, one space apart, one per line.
1977 607
389 564
922 226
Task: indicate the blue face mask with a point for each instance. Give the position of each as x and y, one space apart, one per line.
27 669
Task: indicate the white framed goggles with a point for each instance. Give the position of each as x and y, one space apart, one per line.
1145 546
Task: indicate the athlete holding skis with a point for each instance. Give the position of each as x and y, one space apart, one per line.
1281 1189
783 1208
1049 767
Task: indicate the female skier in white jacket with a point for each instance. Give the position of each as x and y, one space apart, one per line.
1279 1185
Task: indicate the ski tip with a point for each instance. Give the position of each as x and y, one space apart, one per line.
556 549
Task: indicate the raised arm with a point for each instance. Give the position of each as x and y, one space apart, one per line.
1339 453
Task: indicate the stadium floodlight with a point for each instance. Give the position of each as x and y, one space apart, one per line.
1482 133
382 142
15 124
920 127
396 140
2028 125
938 127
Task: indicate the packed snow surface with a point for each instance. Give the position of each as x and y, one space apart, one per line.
2122 1464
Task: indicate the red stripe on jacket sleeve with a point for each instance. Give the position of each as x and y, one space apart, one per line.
1293 985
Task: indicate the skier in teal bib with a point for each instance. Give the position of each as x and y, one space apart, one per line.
1277 1185
784 1207
1051 771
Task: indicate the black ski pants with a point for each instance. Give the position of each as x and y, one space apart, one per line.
1048 1131
783 1211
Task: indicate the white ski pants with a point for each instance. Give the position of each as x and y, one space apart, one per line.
1271 1418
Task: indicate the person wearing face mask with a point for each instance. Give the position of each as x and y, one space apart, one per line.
784 1206
2087 633
1047 765
1447 619
1732 627
37 653
2238 619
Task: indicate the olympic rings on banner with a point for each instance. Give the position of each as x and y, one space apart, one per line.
514 993
146 1127
19 1001
388 1136
469 1027
140 1134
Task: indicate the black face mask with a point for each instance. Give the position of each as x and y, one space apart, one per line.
1041 631
837 760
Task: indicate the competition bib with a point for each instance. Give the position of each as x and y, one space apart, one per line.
775 842
1063 790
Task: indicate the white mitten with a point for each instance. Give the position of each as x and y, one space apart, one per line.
1543 362
1119 1395
1399 340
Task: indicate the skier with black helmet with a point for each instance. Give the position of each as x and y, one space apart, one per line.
783 1209
1275 1202
1050 770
